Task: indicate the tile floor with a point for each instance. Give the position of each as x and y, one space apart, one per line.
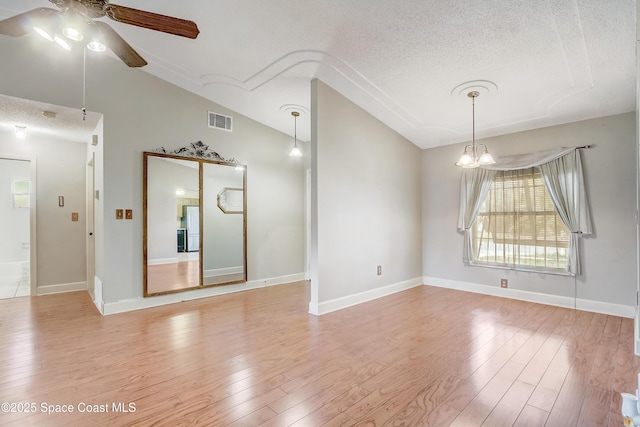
11 287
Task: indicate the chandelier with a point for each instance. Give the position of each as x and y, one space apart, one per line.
474 154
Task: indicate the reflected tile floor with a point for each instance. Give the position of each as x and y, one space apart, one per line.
13 287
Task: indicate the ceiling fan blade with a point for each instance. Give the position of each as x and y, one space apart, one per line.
119 47
21 24
152 21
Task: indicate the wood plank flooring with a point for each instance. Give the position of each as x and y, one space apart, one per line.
423 357
173 276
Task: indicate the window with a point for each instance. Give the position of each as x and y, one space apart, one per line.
20 193
518 225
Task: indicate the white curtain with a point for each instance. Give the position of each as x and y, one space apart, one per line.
564 180
562 172
528 160
474 186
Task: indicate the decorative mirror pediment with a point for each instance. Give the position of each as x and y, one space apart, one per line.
189 241
198 150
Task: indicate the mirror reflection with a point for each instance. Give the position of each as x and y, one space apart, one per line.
189 241
222 263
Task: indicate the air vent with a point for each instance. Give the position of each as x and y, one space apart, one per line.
220 121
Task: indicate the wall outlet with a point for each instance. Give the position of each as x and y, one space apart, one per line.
379 270
504 283
119 213
74 216
128 213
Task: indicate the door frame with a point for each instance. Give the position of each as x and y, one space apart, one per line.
91 226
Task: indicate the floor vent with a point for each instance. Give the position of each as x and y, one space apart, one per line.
220 121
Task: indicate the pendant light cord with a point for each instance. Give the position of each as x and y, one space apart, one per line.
473 126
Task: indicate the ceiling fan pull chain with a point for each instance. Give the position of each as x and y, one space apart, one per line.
84 84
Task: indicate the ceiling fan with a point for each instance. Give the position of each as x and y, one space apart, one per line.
75 21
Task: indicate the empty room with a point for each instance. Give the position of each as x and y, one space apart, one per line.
326 213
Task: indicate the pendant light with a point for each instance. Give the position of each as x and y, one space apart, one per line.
295 151
470 157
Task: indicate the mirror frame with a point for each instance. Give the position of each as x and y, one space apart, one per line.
223 197
199 153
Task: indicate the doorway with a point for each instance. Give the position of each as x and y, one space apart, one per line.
16 195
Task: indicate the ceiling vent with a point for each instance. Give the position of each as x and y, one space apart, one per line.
220 121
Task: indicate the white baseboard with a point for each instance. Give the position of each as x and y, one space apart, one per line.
160 261
62 287
223 271
132 304
555 300
325 307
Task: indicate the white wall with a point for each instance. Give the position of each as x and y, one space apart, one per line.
366 182
14 223
61 261
141 113
609 256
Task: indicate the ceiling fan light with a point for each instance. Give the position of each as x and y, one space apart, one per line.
72 33
43 33
62 43
96 46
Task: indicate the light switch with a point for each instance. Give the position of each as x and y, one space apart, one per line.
74 216
119 213
128 214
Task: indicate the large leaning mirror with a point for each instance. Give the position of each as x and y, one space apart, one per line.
189 241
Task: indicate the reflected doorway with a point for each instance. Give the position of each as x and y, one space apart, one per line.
15 218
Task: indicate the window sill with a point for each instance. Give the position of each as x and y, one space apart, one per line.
526 269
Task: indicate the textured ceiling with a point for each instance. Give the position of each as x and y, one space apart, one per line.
59 122
409 63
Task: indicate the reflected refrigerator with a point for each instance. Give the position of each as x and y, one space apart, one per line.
191 218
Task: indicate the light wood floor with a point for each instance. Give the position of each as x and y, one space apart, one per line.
426 356
174 276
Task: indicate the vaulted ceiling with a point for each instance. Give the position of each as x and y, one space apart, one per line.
410 63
